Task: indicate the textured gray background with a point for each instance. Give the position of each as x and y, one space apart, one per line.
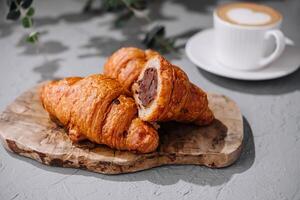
75 44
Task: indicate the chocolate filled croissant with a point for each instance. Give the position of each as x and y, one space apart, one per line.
126 64
96 108
161 90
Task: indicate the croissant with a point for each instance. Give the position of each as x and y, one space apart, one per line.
126 64
161 90
96 108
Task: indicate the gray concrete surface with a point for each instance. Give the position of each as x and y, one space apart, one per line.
75 44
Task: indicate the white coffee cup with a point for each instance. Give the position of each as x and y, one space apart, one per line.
245 46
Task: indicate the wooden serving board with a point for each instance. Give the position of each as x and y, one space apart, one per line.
26 129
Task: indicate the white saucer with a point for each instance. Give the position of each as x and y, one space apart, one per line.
200 50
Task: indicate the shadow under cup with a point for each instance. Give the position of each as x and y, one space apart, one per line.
245 47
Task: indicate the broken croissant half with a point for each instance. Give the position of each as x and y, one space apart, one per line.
96 108
126 64
161 90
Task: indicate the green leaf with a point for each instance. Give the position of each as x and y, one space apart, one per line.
157 31
112 5
13 15
13 6
157 40
26 3
27 22
30 12
33 37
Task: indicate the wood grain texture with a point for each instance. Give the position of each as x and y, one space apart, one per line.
25 128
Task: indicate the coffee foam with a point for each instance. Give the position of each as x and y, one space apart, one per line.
248 14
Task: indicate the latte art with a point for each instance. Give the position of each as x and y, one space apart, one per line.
248 14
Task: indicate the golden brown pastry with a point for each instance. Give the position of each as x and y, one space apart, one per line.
126 64
161 90
95 108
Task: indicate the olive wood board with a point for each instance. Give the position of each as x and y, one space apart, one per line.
25 129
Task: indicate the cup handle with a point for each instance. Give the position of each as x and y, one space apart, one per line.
280 45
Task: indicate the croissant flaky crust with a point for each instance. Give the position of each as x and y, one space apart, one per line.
96 108
161 90
126 64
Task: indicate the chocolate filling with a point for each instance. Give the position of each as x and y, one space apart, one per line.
148 86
